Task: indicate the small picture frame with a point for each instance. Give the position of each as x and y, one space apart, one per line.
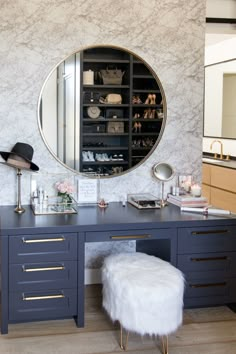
87 191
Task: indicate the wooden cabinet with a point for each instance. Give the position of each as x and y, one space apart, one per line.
218 185
123 134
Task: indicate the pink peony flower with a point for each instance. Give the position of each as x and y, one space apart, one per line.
65 187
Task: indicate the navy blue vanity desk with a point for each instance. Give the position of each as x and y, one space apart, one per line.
42 257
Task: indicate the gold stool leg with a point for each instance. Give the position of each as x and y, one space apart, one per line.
164 340
122 345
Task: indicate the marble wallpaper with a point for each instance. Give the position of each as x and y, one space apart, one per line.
36 35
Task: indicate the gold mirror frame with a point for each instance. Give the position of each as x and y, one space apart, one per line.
162 124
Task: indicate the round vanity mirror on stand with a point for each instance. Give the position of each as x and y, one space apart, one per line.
163 172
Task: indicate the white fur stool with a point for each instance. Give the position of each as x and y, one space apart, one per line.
143 293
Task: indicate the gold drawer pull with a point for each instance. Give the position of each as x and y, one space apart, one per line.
224 258
209 232
130 236
43 297
42 269
207 285
58 239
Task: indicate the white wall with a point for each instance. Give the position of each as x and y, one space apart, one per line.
37 35
168 35
217 32
221 8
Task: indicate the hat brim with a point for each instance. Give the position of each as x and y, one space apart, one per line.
5 156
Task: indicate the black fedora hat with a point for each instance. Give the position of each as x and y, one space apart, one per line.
22 150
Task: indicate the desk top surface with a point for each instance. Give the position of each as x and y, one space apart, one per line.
114 217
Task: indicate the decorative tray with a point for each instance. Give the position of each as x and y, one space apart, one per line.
54 205
143 201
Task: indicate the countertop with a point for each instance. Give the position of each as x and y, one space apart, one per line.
206 158
115 217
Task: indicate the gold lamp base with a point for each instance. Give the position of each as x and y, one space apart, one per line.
19 210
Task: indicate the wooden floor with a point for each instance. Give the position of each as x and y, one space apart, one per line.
204 331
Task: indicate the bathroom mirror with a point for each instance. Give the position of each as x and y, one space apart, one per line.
220 100
163 172
102 111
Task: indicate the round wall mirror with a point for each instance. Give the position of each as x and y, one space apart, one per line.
163 172
102 111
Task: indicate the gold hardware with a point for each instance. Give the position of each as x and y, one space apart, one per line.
209 232
224 258
227 158
58 239
130 236
207 285
42 269
221 148
43 297
164 340
122 345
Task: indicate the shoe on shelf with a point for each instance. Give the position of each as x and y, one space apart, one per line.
153 100
121 157
90 156
145 114
105 157
98 157
85 156
136 100
114 157
148 99
135 127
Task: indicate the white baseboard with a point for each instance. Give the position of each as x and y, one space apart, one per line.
92 276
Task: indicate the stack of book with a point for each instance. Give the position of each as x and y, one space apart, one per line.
187 200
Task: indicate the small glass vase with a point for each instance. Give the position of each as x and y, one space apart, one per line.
66 201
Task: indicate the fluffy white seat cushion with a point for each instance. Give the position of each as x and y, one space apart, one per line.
142 292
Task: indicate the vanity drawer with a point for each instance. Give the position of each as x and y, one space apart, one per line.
39 276
207 287
202 264
209 293
115 235
42 247
223 178
42 305
206 239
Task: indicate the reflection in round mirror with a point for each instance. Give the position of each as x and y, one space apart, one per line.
102 111
163 172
